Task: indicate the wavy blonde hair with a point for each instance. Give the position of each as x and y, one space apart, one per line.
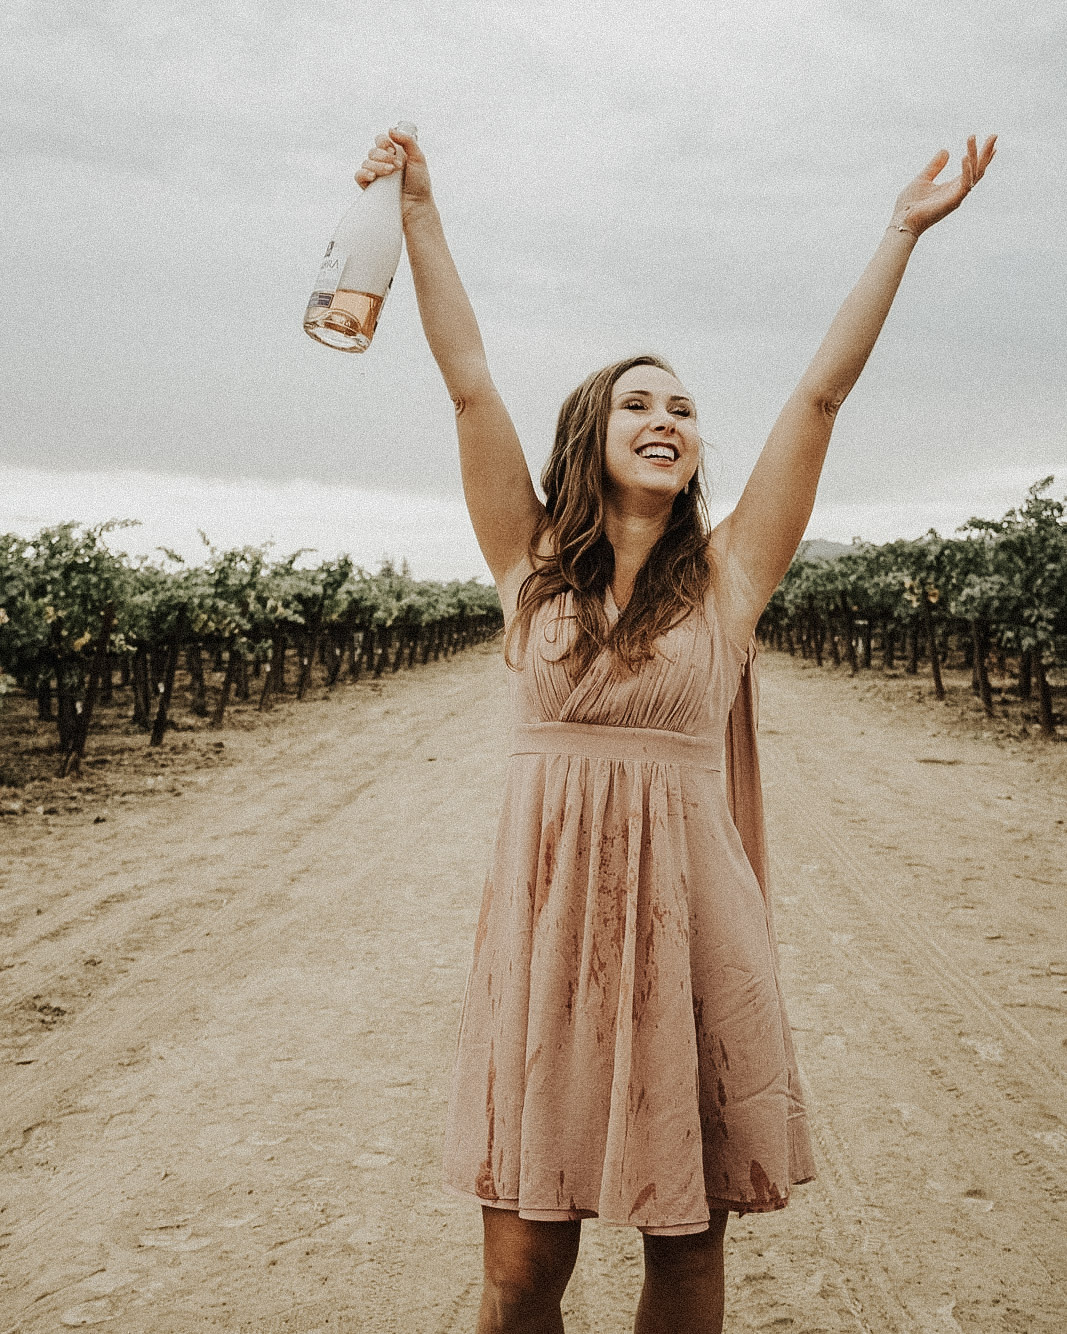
674 579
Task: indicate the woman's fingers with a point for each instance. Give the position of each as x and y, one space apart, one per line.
377 167
398 152
986 157
408 147
975 163
972 165
926 200
387 151
935 166
370 171
381 160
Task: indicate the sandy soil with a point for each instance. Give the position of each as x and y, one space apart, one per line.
229 1014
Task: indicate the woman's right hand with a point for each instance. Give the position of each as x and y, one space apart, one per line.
397 151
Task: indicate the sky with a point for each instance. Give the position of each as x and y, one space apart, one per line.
701 180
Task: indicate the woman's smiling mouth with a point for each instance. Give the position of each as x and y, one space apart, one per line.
658 451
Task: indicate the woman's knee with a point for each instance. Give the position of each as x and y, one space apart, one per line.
526 1260
689 1254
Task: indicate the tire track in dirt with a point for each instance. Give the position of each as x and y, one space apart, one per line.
272 905
895 915
1036 1085
970 1008
267 1162
281 831
910 1045
910 1029
46 941
871 1279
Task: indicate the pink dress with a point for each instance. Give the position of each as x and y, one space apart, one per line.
624 1050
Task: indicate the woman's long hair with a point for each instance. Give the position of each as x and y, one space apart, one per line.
675 576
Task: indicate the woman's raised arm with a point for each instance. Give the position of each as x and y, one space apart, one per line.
758 540
501 499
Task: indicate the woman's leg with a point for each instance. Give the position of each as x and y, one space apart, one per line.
527 1268
683 1290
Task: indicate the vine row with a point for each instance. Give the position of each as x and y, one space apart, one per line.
74 615
999 589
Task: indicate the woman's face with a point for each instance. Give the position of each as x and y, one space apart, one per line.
652 447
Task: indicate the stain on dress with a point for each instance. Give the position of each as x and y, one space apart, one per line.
649 1193
767 1193
485 1185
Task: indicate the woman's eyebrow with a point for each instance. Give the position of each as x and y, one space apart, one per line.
647 393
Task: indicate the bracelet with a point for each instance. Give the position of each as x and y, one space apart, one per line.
899 226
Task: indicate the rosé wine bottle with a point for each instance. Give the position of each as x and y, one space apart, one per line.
358 267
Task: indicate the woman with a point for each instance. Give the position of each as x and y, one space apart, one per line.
624 1051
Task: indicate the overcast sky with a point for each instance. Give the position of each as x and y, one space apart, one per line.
701 180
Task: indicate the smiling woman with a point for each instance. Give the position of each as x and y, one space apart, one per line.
626 445
624 1051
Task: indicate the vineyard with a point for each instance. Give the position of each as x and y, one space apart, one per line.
83 627
997 594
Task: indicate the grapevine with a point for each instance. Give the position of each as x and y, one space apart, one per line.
998 589
83 626
74 615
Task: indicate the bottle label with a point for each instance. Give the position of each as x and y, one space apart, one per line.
330 271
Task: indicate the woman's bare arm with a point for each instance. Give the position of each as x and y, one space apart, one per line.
501 499
758 540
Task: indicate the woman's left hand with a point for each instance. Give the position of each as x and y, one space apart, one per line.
924 201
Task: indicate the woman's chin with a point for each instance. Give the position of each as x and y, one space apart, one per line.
659 494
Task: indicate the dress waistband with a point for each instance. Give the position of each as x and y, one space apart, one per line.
594 741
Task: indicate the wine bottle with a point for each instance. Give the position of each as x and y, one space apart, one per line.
358 267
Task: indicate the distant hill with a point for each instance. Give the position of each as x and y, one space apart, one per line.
818 548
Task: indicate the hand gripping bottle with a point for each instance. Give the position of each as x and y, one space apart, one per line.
357 270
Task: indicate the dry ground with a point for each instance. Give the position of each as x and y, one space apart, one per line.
229 1013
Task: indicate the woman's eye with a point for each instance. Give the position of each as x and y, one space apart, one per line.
639 406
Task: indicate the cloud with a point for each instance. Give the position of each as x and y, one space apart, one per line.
434 535
705 181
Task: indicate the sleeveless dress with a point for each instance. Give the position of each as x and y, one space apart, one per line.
624 1051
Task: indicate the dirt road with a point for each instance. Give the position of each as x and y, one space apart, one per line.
229 1015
